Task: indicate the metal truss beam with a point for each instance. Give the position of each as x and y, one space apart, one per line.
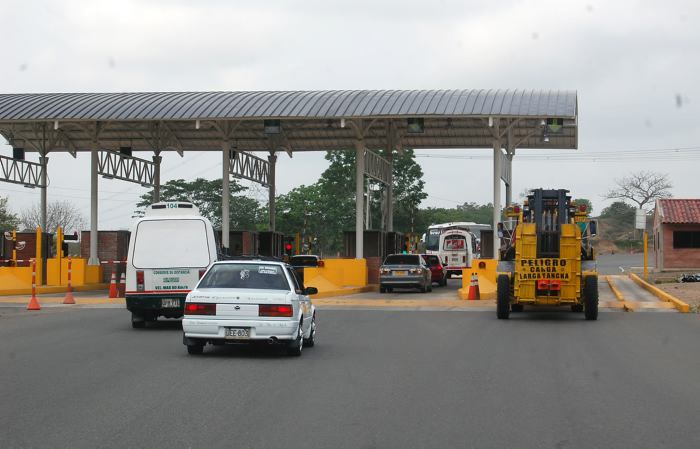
26 173
247 166
113 164
377 168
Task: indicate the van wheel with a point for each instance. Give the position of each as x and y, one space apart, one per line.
382 289
195 349
137 321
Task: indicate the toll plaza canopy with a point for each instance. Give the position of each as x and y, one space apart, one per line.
241 122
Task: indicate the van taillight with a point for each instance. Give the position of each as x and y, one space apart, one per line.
194 308
275 310
139 281
201 272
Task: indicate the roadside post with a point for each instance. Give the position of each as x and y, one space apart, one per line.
640 222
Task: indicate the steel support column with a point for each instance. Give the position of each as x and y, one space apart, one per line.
510 152
157 159
43 160
94 161
497 156
359 196
225 195
272 161
389 156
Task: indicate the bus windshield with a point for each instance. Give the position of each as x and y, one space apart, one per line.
432 240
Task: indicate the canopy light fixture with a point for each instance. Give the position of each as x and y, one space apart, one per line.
272 126
415 125
555 125
125 151
18 153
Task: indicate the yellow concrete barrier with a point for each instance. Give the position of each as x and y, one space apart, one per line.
485 269
627 306
339 276
12 278
662 295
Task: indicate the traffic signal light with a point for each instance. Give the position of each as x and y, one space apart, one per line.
288 245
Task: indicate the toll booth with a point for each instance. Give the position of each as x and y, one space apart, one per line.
487 244
394 242
112 248
270 243
375 244
241 242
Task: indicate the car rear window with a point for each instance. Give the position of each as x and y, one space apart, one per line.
432 260
402 259
253 276
303 261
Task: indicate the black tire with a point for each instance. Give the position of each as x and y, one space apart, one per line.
517 308
430 287
503 297
311 341
390 289
577 308
382 289
590 297
423 289
137 321
195 349
443 281
295 346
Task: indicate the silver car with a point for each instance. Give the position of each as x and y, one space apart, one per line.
404 271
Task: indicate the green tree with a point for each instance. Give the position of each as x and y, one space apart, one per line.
408 191
8 220
245 212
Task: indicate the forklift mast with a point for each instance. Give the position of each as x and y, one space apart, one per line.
548 209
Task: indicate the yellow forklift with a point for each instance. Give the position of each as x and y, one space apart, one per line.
546 256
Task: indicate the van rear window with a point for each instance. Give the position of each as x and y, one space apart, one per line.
171 244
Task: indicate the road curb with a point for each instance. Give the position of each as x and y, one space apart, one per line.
618 294
345 291
662 295
43 290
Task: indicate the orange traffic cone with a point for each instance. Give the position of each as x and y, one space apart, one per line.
69 299
122 285
113 286
474 288
33 302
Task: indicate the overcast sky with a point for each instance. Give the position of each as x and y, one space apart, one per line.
634 64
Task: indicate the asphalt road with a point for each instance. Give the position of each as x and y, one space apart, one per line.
82 378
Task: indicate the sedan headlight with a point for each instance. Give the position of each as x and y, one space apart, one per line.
384 270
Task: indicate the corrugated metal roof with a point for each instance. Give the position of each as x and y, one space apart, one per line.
286 105
679 211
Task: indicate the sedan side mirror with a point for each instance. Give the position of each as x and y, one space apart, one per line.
310 291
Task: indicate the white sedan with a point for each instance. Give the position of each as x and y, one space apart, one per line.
249 300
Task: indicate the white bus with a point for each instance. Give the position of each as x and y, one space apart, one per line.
456 244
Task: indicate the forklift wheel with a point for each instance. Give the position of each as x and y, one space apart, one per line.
590 297
503 297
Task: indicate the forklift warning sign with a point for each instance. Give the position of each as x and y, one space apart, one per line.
536 269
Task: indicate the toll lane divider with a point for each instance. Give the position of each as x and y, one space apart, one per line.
625 305
662 295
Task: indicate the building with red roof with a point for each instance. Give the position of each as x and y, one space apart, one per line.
677 234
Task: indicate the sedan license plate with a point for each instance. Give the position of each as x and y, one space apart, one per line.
237 332
170 303
400 273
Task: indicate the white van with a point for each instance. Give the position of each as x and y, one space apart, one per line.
169 250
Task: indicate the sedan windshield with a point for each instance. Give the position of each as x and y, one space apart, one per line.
253 276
